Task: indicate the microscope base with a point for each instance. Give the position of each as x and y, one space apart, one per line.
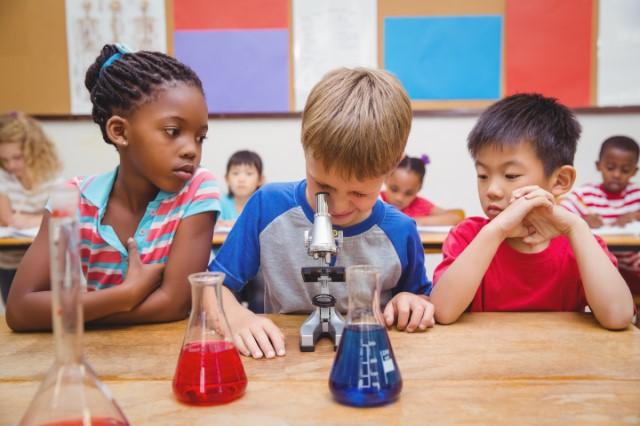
322 322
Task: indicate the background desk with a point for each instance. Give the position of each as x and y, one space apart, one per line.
432 243
508 368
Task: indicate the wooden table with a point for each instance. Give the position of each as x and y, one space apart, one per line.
509 368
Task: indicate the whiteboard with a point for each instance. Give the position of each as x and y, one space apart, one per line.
619 53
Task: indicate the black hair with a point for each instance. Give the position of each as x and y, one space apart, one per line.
413 164
624 143
131 80
249 158
548 125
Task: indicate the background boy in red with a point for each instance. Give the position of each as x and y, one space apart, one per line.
529 254
615 201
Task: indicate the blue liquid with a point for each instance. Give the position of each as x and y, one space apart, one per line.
365 372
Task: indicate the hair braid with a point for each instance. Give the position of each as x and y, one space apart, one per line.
130 81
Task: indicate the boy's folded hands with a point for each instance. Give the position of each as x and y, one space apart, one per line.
534 216
409 312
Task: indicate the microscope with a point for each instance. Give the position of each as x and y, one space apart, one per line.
322 243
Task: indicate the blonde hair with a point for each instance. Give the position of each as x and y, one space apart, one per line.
40 158
357 122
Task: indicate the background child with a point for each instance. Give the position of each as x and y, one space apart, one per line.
29 168
530 254
348 151
244 177
147 224
402 187
615 201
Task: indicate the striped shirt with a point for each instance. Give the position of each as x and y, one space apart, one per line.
104 257
593 199
25 201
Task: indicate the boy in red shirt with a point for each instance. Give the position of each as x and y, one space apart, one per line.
529 254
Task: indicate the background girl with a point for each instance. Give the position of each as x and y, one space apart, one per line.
147 224
401 190
29 168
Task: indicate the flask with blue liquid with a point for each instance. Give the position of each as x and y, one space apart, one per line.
365 372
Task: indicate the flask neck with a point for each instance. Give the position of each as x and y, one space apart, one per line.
66 289
363 285
207 321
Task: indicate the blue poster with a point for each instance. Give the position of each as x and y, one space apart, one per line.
445 57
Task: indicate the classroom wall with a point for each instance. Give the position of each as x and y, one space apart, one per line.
450 180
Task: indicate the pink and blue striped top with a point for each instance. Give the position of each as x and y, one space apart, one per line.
104 257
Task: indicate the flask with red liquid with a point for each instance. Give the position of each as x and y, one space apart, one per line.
209 368
71 393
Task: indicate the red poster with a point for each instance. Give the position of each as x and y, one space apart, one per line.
230 14
549 49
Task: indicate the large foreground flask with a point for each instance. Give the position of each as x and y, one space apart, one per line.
365 372
209 368
71 393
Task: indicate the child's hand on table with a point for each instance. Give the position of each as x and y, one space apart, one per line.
409 312
626 218
257 336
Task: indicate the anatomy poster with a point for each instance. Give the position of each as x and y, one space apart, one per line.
139 24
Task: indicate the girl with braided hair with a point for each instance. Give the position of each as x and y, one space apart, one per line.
29 169
401 190
148 224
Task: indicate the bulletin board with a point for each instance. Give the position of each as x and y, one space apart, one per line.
33 57
451 55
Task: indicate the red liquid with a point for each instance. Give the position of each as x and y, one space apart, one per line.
209 373
95 421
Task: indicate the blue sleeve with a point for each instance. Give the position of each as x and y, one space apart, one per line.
404 236
239 256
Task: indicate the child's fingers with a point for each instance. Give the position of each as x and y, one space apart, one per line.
276 337
389 314
242 348
132 249
521 192
263 341
403 309
250 343
428 317
539 193
417 312
533 239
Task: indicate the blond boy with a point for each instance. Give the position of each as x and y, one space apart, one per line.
354 130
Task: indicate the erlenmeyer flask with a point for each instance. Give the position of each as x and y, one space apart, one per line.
71 393
209 369
365 372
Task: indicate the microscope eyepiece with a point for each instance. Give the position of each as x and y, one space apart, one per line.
322 208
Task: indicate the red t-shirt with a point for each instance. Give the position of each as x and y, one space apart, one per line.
514 281
418 207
